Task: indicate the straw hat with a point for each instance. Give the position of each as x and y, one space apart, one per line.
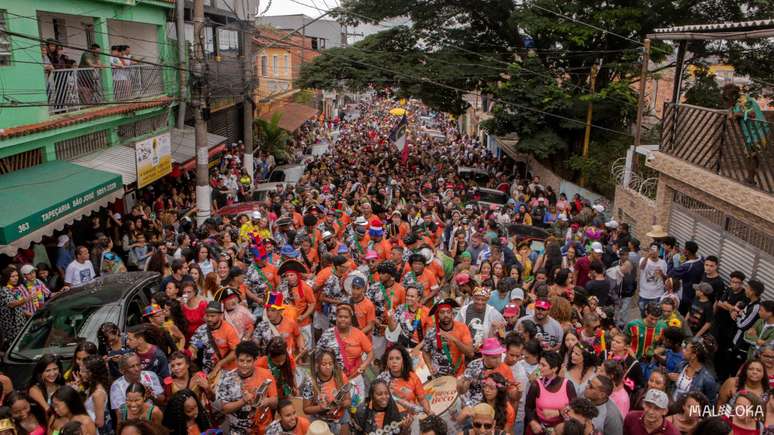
319 427
656 232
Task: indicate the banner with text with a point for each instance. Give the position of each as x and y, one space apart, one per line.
154 158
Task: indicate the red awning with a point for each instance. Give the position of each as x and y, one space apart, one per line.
293 115
190 164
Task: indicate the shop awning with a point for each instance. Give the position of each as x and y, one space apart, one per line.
184 146
116 159
293 115
42 199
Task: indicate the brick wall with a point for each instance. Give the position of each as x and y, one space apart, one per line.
637 211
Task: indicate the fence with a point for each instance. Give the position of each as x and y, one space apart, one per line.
77 88
711 139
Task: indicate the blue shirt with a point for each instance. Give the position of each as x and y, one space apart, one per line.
497 302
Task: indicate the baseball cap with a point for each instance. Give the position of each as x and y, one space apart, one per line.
358 282
27 268
511 310
256 215
657 398
543 304
597 247
462 278
214 307
517 293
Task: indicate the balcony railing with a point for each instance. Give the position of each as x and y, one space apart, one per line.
78 88
712 139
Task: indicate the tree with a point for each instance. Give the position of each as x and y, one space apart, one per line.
704 90
273 139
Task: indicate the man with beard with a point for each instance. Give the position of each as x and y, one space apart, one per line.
448 343
236 394
425 278
262 277
550 333
217 340
236 314
652 418
329 244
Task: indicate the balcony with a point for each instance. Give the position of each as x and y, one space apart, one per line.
72 89
712 140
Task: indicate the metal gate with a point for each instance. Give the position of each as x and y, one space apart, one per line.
700 225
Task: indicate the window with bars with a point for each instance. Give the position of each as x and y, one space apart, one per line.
20 161
71 149
5 41
264 66
142 127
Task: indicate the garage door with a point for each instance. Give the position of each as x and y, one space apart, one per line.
733 252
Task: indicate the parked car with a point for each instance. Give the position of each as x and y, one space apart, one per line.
77 314
285 175
485 198
480 176
235 210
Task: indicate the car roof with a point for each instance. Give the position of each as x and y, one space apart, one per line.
488 190
239 208
292 165
109 288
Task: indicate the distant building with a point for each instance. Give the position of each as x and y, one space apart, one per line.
322 33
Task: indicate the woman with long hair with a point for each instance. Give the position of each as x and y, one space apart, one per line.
67 406
752 377
378 411
694 375
111 346
570 339
204 260
45 381
12 301
196 275
282 366
690 410
563 285
495 390
137 408
194 307
211 286
184 377
28 417
185 415
348 342
83 350
96 378
580 366
619 351
320 389
405 386
746 422
657 380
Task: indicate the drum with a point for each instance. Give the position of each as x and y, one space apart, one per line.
442 394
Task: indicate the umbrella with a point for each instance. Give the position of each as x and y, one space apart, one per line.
398 111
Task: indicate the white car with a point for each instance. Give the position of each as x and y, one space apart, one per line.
281 177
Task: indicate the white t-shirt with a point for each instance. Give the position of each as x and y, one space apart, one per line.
651 284
79 273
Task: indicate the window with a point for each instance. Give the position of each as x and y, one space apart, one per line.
264 66
322 43
60 30
228 41
5 42
286 65
274 66
314 44
209 43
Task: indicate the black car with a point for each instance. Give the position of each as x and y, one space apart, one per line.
76 315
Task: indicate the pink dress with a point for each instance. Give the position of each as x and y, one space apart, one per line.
621 399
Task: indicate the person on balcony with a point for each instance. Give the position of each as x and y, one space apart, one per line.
120 74
88 76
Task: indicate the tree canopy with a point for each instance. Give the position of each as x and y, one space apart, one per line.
534 57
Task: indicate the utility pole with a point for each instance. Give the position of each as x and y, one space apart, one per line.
181 54
199 104
248 66
589 113
631 156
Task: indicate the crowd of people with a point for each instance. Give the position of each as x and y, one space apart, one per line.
330 306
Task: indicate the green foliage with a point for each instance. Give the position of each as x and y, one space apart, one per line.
272 138
304 96
596 169
704 91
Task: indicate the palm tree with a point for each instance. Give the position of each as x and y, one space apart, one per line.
273 139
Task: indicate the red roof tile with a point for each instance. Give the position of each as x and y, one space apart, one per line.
78 117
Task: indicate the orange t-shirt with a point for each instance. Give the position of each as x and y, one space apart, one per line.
328 390
290 331
379 420
302 301
462 333
298 220
302 425
251 384
504 370
437 268
365 312
428 278
226 339
410 390
398 295
355 345
384 249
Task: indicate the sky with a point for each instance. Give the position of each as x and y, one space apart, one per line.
288 7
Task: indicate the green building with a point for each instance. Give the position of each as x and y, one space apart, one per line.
69 129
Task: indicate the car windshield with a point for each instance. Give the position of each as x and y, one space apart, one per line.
494 197
60 324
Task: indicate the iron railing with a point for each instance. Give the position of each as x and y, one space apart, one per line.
715 141
74 89
77 88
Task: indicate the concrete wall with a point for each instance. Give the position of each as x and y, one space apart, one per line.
638 211
73 28
140 37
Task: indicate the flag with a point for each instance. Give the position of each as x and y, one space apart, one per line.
398 137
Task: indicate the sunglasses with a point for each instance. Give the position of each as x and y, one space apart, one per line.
479 425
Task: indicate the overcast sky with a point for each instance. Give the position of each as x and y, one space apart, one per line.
288 7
